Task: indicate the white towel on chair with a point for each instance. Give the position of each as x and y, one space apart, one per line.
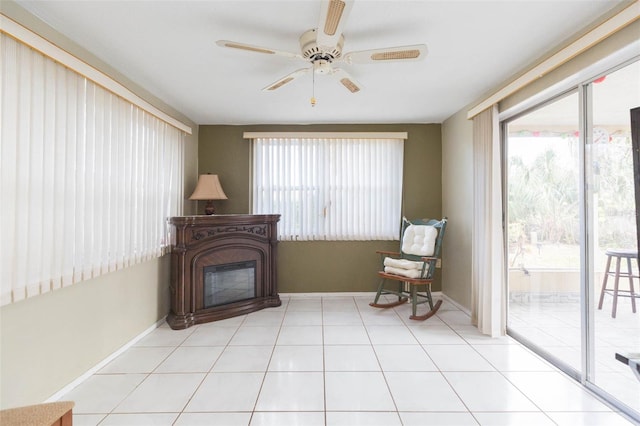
410 273
402 263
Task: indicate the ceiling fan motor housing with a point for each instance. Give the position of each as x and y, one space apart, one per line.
313 52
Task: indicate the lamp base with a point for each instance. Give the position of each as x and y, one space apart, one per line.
208 208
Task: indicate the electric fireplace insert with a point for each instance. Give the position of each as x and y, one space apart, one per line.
229 283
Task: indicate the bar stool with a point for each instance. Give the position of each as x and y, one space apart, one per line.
619 254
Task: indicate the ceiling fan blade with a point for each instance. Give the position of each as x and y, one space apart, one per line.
416 52
346 80
286 79
258 49
333 16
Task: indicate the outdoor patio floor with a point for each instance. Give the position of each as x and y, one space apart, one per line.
555 327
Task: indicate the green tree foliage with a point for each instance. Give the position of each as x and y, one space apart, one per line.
544 195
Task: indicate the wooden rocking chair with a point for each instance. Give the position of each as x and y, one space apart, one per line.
412 268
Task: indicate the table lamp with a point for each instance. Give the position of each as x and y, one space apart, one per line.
209 189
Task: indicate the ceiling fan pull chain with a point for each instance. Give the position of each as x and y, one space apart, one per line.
313 88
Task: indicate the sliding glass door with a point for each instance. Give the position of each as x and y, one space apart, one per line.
571 213
612 225
543 165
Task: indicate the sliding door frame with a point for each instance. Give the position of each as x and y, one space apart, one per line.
588 245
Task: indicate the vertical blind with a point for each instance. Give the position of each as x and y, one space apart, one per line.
330 188
87 179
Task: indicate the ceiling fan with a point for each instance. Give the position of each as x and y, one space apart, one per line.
322 47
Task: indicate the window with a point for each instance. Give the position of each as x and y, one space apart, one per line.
330 188
87 178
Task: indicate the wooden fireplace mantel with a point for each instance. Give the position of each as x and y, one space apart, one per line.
202 241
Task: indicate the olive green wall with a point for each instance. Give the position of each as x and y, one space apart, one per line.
327 266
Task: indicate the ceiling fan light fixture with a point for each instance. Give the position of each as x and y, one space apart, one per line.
322 67
395 55
334 15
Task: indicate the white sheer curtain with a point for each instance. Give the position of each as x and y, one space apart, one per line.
87 178
330 189
487 267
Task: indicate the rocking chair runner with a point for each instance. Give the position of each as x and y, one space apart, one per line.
413 268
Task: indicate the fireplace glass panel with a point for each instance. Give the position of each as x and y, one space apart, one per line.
230 282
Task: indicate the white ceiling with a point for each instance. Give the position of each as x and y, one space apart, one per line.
168 47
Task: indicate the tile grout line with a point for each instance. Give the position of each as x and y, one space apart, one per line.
111 412
264 376
209 371
324 365
384 376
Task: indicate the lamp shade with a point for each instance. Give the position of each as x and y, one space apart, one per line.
208 188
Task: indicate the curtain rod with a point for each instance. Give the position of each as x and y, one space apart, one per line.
330 135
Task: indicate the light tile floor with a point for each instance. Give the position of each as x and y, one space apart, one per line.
333 360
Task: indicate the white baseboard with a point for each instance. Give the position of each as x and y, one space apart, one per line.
330 294
456 304
56 396
344 294
371 294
